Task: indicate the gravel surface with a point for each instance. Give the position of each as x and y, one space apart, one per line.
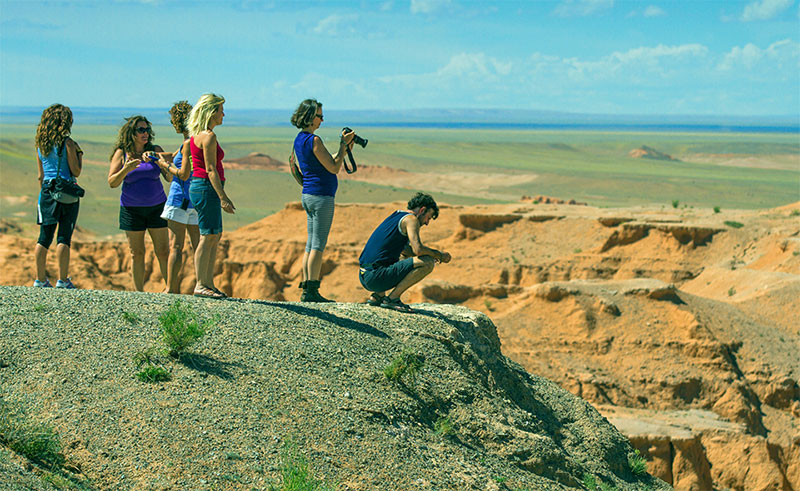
272 374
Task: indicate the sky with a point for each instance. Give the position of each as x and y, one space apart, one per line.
648 57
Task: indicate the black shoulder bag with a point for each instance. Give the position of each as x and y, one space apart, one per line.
64 190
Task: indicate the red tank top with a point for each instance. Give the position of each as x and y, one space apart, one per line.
199 163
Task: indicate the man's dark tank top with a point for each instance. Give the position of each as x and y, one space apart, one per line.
386 243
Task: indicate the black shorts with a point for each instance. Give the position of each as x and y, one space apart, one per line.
140 218
382 278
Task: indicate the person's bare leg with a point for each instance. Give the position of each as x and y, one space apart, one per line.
40 253
177 236
160 238
212 261
62 253
314 264
306 274
423 266
202 259
136 244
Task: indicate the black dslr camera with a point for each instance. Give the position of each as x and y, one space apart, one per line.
356 139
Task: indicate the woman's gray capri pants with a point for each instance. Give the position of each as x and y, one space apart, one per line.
319 213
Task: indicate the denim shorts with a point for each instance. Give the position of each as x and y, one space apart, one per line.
382 278
208 206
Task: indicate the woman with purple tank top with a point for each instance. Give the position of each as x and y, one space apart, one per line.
136 167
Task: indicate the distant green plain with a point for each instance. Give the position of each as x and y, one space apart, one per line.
588 166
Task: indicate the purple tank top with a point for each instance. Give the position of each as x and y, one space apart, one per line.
142 186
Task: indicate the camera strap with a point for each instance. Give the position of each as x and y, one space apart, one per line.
353 167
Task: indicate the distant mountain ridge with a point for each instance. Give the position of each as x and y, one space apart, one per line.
444 118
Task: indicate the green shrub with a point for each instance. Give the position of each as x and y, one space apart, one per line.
731 291
733 224
716 209
675 203
405 365
637 463
295 473
35 440
795 213
443 426
180 329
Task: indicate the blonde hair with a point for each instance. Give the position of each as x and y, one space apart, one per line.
202 112
54 128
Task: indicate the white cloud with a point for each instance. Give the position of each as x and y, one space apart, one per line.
335 24
653 11
428 6
764 9
780 54
580 8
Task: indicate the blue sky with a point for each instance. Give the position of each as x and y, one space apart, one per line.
585 56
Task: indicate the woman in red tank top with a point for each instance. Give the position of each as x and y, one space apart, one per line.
207 189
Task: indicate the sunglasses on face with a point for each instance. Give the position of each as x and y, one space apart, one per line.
142 129
320 117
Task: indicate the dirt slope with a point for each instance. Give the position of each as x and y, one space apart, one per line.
643 309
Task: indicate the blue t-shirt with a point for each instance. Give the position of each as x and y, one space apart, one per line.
50 163
179 190
386 243
316 178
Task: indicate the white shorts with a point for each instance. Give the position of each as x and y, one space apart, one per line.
176 214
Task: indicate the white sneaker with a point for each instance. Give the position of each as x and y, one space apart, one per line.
65 283
42 284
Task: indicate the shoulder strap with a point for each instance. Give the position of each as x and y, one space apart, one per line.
60 152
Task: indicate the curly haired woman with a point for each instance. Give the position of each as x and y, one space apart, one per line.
56 154
135 166
179 212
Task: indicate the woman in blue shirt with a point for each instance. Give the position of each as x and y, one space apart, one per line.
318 168
56 154
179 212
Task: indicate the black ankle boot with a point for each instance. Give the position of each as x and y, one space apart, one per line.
311 293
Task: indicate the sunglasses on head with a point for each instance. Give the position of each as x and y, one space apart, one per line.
142 129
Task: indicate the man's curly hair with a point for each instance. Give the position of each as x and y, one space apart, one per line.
421 199
54 128
179 115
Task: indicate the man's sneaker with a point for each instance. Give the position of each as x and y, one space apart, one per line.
65 283
42 284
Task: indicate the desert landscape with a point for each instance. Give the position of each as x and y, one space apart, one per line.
678 321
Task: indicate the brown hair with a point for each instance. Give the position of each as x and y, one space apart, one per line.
127 135
303 116
179 115
54 128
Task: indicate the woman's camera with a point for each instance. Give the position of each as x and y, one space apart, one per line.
356 139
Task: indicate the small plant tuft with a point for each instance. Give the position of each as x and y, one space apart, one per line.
151 368
731 291
180 329
637 463
35 440
443 426
675 203
733 224
716 209
795 213
295 473
404 366
488 304
130 317
39 307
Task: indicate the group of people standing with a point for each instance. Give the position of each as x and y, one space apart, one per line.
393 259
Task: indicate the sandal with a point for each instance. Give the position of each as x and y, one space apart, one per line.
206 292
396 304
375 300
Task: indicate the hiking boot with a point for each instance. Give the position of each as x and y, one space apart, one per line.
311 293
42 284
65 284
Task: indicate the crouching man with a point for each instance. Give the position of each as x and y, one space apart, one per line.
395 258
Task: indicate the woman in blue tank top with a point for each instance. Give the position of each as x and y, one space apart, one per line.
318 168
56 154
178 211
